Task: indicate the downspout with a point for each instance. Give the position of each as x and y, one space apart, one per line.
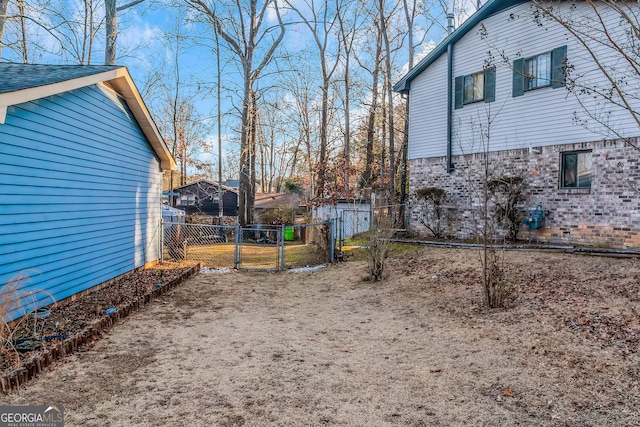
450 27
449 102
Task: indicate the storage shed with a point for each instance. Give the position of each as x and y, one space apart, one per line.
81 165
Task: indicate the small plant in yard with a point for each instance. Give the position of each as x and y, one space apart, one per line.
498 290
433 214
378 247
14 301
507 194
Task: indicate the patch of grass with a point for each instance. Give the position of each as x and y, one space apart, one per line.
361 239
254 255
355 253
403 248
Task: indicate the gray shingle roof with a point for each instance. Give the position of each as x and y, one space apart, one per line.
14 77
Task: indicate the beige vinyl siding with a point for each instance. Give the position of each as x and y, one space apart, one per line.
428 112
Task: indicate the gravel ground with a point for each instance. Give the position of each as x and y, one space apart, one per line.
325 348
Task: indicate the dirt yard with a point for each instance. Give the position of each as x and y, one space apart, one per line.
326 348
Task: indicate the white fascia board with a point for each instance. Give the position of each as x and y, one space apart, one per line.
31 94
124 85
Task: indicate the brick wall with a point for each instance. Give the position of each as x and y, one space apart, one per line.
607 214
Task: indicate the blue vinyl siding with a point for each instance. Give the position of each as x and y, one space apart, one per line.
80 193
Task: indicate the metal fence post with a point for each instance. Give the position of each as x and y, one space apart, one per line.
161 240
340 231
332 224
282 243
372 217
236 260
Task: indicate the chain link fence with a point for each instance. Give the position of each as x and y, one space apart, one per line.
257 247
355 226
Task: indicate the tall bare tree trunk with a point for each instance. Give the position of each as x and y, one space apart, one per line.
244 185
4 5
410 17
389 86
347 39
111 14
371 121
320 28
110 26
23 26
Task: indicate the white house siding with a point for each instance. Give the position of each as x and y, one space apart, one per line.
81 191
542 117
428 115
606 214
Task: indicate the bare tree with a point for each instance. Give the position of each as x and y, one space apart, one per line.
385 17
304 112
51 27
4 8
111 25
410 8
321 22
242 30
367 174
75 27
348 26
20 16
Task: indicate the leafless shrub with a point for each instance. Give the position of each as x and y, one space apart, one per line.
378 246
507 193
16 301
433 214
498 289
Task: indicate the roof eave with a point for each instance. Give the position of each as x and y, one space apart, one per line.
122 82
127 89
491 7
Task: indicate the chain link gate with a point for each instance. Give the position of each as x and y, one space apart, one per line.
257 247
260 248
211 245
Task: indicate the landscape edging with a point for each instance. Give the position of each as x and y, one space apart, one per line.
30 370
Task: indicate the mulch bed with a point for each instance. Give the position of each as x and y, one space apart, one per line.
75 324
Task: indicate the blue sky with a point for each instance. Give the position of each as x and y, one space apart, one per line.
144 47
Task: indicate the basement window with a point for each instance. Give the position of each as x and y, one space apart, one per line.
576 169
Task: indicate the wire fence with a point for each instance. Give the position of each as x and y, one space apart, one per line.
355 226
256 247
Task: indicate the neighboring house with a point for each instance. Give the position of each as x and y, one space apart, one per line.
283 205
274 200
201 197
233 183
81 165
496 87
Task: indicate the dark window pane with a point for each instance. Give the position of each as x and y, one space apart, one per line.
538 70
468 89
478 87
569 170
584 170
576 170
529 66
